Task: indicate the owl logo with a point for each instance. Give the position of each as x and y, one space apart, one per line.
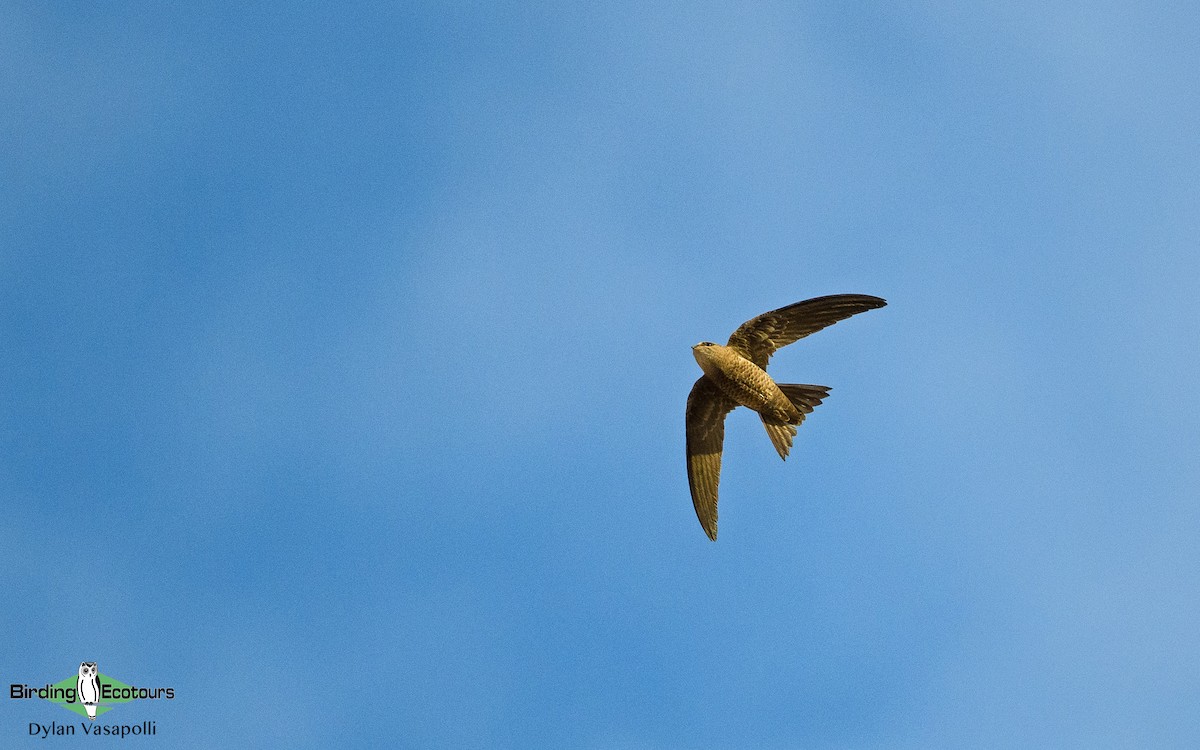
89 687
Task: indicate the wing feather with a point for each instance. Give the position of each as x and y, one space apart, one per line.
758 338
706 410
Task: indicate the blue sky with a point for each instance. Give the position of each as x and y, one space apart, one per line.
345 352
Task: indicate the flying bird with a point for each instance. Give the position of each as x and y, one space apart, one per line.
735 375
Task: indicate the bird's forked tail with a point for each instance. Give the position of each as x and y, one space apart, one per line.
805 398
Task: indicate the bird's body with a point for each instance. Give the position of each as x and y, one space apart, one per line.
735 375
744 382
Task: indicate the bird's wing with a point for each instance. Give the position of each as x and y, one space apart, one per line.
758 338
706 410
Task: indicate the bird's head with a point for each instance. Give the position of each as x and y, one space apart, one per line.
704 353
